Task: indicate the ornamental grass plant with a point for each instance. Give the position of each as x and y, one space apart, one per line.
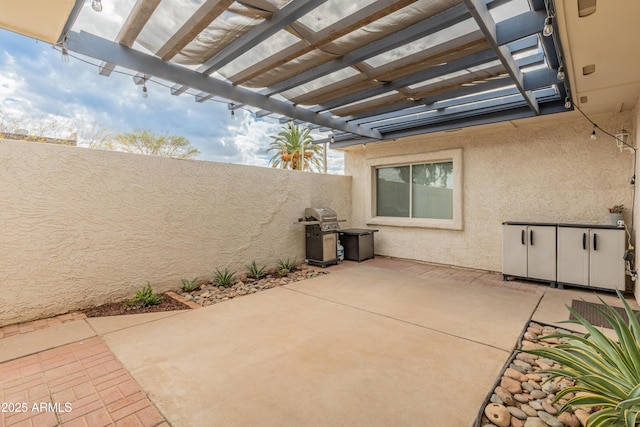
606 372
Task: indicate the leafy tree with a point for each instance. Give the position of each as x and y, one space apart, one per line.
294 149
150 143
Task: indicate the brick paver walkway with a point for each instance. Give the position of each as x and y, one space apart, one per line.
80 384
36 325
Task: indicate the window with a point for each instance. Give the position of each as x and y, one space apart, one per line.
415 191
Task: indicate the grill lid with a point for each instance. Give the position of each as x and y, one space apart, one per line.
321 214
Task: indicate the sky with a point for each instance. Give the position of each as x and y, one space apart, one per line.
35 82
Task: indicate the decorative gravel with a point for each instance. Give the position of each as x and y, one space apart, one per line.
523 398
210 293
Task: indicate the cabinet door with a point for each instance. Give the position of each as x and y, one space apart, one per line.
607 263
541 254
573 255
514 250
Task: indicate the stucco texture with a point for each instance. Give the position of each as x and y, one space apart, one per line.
521 171
82 227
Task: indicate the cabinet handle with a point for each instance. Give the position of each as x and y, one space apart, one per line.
595 242
531 237
584 241
522 237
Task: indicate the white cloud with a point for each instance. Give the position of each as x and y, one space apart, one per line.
35 82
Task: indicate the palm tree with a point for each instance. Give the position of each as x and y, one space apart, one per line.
294 149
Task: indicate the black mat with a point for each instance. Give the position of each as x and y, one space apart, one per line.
589 312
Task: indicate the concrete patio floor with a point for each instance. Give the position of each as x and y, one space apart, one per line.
383 342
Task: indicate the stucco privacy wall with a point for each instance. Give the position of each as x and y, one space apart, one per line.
81 227
545 172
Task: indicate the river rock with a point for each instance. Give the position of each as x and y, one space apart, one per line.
536 404
511 385
498 415
534 377
516 375
496 399
538 394
516 412
506 397
534 422
522 398
548 407
569 420
549 388
534 384
542 365
515 422
522 364
526 357
527 409
549 419
582 416
528 345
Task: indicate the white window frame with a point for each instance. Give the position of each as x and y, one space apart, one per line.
453 155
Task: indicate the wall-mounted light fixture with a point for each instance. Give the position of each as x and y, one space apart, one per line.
96 5
622 139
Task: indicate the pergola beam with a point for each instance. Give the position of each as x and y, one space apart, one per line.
431 25
279 20
96 47
486 23
311 41
140 14
423 75
200 20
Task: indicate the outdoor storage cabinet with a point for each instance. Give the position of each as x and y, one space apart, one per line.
529 251
358 243
591 256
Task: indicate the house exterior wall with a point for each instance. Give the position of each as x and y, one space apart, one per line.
549 171
635 132
81 227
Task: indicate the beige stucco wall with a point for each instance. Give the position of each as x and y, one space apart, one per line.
526 171
635 133
80 227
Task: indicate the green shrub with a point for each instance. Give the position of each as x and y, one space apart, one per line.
144 298
607 372
224 277
256 272
189 285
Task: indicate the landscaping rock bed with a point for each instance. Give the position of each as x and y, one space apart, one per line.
206 294
210 293
523 398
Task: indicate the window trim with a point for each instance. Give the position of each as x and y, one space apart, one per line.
452 155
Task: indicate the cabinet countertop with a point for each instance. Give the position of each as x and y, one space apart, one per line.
553 224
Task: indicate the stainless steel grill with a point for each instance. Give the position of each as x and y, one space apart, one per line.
321 232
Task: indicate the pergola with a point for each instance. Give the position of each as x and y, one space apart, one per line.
367 70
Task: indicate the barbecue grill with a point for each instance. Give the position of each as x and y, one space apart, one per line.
321 232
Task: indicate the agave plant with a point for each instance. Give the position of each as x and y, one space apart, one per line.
606 372
223 277
256 272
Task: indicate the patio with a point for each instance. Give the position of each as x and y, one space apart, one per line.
387 341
